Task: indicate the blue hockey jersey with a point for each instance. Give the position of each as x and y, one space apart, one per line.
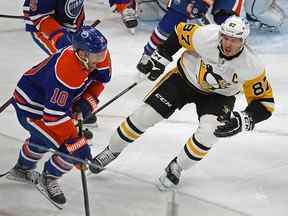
46 92
67 13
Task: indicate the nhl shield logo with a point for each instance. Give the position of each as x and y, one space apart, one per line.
85 34
73 8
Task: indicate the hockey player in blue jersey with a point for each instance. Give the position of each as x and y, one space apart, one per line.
45 100
52 23
267 15
185 10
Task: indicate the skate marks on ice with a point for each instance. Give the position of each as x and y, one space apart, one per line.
113 192
132 195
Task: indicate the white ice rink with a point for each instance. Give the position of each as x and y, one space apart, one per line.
243 175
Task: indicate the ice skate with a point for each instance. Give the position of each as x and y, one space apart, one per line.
102 160
171 176
18 173
129 18
50 188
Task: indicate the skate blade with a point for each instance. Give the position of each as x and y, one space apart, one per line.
22 180
95 172
44 193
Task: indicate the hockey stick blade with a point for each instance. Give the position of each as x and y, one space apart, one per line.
4 174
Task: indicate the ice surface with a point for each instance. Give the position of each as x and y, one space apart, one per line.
243 175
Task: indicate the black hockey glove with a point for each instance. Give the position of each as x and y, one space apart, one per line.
239 121
154 66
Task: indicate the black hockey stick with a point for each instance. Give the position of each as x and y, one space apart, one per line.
11 16
22 17
6 104
95 23
4 174
119 95
83 176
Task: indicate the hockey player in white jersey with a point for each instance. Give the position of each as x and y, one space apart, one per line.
216 65
266 14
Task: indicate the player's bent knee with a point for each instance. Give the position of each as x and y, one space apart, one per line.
133 127
205 131
145 117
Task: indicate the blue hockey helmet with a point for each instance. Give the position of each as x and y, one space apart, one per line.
89 39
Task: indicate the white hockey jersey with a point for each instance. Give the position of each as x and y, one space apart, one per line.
207 71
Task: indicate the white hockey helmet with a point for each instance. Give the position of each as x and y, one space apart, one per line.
236 27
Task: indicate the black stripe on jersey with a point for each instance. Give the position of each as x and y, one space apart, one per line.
258 111
190 155
133 127
204 148
122 136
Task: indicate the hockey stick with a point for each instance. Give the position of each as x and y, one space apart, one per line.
83 162
6 104
95 23
11 16
119 95
83 177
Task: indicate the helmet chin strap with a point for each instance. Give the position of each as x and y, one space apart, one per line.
84 61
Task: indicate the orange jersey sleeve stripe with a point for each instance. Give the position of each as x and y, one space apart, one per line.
48 25
95 89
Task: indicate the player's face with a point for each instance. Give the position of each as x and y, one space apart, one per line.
231 46
95 58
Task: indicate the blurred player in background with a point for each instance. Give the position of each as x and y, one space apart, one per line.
127 10
266 15
186 10
216 64
52 23
46 99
